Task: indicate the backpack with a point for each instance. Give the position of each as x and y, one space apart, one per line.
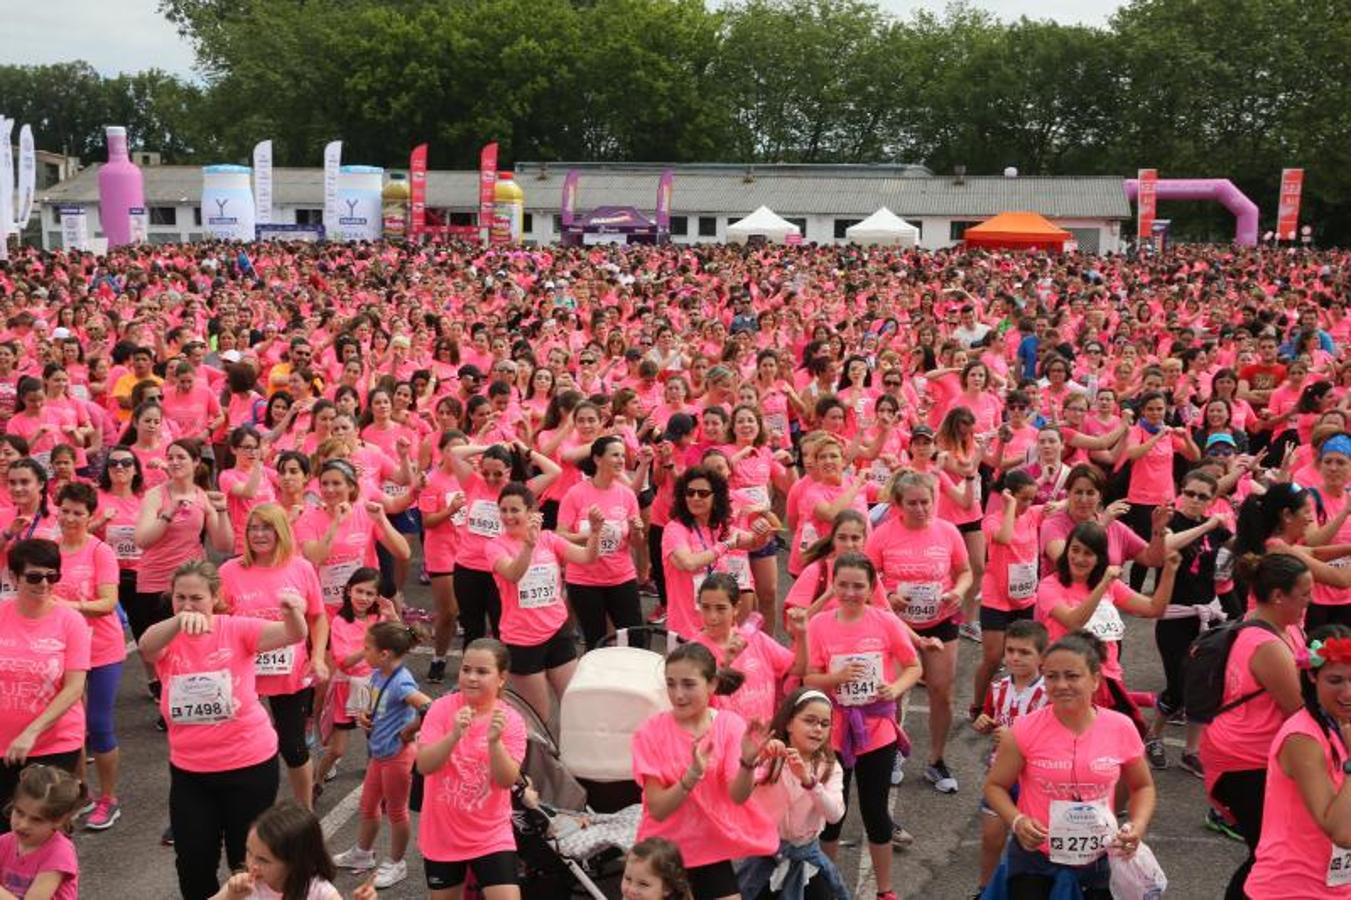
1203 671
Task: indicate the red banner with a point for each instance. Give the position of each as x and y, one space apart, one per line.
417 176
487 181
1287 217
1147 198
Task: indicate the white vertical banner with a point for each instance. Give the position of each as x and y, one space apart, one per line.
6 185
262 184
332 161
28 176
74 228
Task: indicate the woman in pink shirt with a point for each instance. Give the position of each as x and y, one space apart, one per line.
1261 691
924 567
89 580
32 421
1150 447
695 543
470 750
272 567
1306 817
149 440
606 587
248 483
190 405
821 497
863 657
119 506
812 590
758 470
222 749
696 765
45 662
1065 760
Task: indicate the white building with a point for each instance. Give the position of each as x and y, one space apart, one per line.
822 200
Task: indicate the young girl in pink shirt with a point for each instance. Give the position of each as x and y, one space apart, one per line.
697 766
37 858
470 750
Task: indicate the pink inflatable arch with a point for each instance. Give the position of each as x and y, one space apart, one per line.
1219 190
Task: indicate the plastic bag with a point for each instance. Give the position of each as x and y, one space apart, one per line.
1139 877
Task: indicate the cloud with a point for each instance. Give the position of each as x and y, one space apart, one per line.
113 36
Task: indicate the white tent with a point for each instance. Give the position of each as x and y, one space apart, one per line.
763 222
883 227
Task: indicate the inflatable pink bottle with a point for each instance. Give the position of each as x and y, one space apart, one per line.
120 189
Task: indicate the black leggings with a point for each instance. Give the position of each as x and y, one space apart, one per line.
145 609
654 554
1242 793
1173 637
874 794
1137 519
477 595
206 808
289 714
591 604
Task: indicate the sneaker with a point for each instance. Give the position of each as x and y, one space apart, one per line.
167 836
886 895
649 588
898 770
657 616
390 873
106 812
970 631
1217 823
436 672
355 858
331 773
160 724
939 776
423 578
154 689
1158 756
1191 762
900 838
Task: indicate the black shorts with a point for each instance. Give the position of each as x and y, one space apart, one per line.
771 548
439 574
713 880
945 631
999 619
969 527
344 726
556 651
489 870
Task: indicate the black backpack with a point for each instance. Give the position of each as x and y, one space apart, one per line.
1203 672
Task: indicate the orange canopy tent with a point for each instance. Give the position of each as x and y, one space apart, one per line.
1017 231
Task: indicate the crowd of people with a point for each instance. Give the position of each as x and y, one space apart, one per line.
242 456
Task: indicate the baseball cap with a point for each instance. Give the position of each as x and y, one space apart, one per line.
1220 438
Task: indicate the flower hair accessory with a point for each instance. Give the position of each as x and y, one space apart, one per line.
1333 650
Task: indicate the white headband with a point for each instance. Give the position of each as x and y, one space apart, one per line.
812 695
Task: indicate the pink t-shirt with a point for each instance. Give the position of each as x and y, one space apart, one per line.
190 412
614 565
1106 624
765 663
682 612
1058 765
82 573
810 527
1123 545
353 546
465 813
441 542
1010 580
254 591
1151 480
877 639
707 826
919 565
482 523
344 639
238 505
1324 594
180 542
812 582
36 654
210 699
18 870
532 608
1294 853
120 531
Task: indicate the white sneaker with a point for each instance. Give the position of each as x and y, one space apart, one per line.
355 858
898 770
390 873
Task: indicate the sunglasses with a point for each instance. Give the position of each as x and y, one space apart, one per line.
698 493
1220 451
1195 495
39 577
891 384
125 462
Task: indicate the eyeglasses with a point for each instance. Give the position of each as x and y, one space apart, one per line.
39 577
1220 451
1195 495
247 447
814 722
698 493
891 384
258 528
1017 406
124 462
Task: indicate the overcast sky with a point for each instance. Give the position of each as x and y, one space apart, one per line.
129 35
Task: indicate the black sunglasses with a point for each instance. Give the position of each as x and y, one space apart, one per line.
123 463
698 493
39 577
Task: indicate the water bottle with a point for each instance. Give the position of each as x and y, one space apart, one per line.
120 189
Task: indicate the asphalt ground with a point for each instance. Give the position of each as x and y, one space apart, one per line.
128 860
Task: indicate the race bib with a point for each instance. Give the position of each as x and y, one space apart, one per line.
358 695
860 691
461 515
757 495
809 535
1106 623
122 538
879 473
776 422
203 698
539 586
611 534
1079 831
1339 867
739 567
1022 580
484 519
393 489
921 600
275 662
333 577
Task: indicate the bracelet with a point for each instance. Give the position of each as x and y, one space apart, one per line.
811 785
1016 819
687 788
748 766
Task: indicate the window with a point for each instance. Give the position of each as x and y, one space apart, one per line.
957 229
463 218
197 216
309 217
708 226
558 224
528 223
843 225
800 222
164 238
163 215
56 215
680 225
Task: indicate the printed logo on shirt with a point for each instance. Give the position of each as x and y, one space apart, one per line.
47 645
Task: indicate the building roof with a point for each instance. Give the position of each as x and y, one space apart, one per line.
728 189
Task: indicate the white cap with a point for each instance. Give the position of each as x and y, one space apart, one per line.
232 356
